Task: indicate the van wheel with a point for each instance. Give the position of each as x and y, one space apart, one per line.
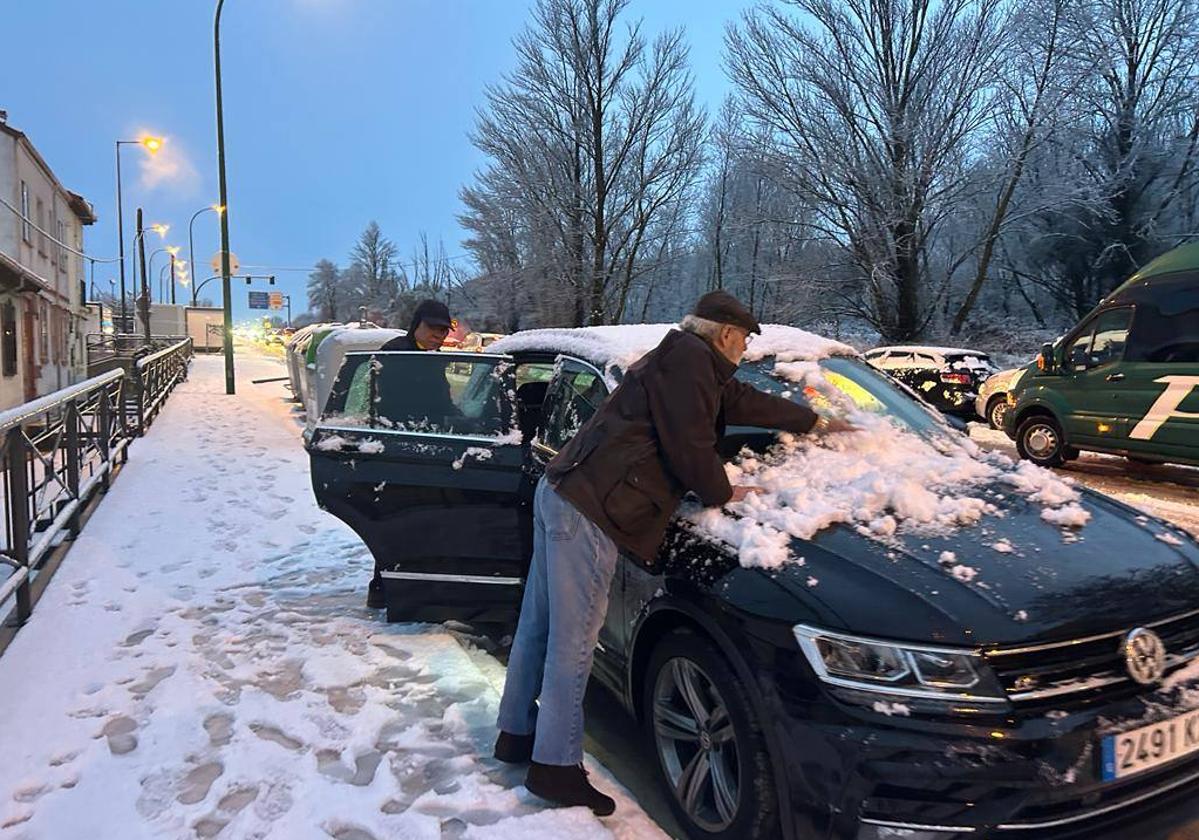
711 753
996 411
1040 440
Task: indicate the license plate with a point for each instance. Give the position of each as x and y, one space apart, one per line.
1128 753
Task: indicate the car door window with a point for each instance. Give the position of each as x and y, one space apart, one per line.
1102 342
577 394
432 393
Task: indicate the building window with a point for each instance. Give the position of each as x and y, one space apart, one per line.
26 229
44 332
8 340
60 231
41 227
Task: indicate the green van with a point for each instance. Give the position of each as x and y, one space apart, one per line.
1125 380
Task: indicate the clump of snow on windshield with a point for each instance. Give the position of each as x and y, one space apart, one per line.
882 480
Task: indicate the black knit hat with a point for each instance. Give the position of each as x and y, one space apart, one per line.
432 312
723 308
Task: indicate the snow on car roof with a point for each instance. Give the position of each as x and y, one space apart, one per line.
924 348
621 346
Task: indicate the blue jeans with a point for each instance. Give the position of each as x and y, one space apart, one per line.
565 600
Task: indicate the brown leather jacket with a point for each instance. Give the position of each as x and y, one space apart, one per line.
655 438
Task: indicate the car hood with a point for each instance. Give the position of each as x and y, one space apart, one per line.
1024 579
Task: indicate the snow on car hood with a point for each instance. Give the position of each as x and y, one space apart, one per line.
618 347
882 480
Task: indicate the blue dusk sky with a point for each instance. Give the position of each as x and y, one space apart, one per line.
336 112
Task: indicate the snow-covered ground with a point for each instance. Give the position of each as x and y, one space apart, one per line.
1168 491
202 665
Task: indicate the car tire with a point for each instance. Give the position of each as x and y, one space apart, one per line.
1040 440
996 410
738 801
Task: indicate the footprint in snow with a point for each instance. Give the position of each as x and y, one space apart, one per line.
30 793
272 733
198 782
219 728
135 639
119 732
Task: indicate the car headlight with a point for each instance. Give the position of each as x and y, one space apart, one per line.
901 670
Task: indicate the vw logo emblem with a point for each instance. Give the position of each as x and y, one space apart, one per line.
1145 656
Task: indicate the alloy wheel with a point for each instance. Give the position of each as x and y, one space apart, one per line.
998 410
697 744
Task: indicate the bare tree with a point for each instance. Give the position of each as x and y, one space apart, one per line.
593 138
1041 72
874 107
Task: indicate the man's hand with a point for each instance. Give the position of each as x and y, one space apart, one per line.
740 491
830 425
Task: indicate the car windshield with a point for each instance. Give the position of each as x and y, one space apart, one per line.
839 385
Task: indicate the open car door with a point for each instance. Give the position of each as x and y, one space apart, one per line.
420 453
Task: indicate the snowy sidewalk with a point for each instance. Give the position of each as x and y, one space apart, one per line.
202 664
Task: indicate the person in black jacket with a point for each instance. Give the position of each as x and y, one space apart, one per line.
431 325
615 486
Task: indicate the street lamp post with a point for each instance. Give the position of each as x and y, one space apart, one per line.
191 242
144 300
230 388
151 145
172 279
138 237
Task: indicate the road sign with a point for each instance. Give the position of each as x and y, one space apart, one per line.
234 265
276 300
260 300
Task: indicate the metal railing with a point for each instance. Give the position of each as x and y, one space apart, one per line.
157 375
59 450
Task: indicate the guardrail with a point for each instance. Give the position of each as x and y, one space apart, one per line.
59 450
158 374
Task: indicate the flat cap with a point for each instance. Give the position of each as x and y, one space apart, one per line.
723 308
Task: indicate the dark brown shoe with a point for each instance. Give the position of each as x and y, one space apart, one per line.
513 749
567 786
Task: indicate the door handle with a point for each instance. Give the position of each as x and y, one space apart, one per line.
1114 377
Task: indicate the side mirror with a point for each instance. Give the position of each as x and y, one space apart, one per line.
1045 361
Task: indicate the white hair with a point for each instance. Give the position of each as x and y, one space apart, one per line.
703 327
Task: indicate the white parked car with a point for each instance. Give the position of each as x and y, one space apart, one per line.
991 403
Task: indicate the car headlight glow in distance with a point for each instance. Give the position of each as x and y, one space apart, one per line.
903 670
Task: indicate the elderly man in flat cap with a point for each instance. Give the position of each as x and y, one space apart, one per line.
615 486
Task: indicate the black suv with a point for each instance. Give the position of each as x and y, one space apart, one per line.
871 686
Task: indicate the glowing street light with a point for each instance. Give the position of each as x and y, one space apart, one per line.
219 209
152 145
160 229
